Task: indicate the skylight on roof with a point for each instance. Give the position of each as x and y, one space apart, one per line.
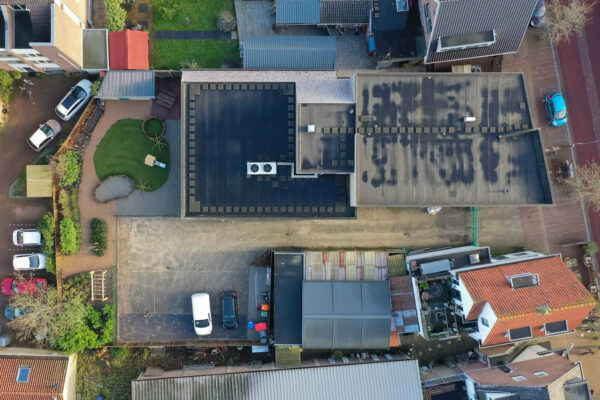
519 378
523 280
23 374
540 373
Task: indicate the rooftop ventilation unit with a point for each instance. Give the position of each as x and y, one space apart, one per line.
261 168
474 258
310 128
470 119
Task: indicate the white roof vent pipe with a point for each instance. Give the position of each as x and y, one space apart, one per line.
310 128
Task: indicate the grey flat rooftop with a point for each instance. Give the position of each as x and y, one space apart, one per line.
231 124
289 52
330 148
95 49
414 148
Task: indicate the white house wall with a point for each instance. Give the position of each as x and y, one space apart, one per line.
488 314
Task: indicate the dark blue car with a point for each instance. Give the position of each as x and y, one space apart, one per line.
556 109
229 307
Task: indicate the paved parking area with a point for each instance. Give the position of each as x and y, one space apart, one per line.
25 117
162 261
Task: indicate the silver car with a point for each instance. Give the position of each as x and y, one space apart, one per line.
44 135
25 262
27 237
74 100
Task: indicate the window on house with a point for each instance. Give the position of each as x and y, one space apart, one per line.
519 378
540 373
456 294
466 41
520 333
428 20
556 327
485 322
523 280
23 374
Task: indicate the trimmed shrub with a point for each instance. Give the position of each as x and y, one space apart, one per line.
119 352
7 80
46 228
65 203
115 15
67 168
68 237
98 236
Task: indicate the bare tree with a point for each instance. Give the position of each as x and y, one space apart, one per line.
587 183
226 21
567 18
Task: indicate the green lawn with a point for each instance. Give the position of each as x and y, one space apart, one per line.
203 15
122 152
170 54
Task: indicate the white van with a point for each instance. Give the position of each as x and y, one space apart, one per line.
201 313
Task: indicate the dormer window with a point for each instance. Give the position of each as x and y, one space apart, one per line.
23 374
520 333
466 41
523 280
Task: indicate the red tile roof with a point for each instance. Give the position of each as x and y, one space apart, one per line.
45 372
128 50
559 288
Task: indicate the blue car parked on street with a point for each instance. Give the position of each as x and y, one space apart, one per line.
556 109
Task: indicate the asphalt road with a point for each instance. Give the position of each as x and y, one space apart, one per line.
15 154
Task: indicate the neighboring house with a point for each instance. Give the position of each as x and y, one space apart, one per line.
289 52
398 379
542 377
528 299
465 29
47 35
28 374
348 13
128 50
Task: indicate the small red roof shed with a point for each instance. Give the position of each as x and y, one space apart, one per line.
128 50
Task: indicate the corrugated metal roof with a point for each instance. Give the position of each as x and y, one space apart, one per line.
397 380
289 52
509 19
127 85
298 12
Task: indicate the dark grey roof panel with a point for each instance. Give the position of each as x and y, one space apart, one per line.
288 272
359 319
39 13
509 19
289 52
297 12
345 11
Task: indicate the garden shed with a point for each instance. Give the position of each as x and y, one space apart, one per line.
127 85
39 181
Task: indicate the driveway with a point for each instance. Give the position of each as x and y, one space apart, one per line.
162 261
15 154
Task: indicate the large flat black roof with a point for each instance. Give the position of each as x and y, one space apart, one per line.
230 124
415 147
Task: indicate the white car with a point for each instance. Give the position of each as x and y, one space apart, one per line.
74 100
44 135
29 261
201 314
27 237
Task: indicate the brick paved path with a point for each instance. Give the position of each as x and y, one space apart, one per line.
547 228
